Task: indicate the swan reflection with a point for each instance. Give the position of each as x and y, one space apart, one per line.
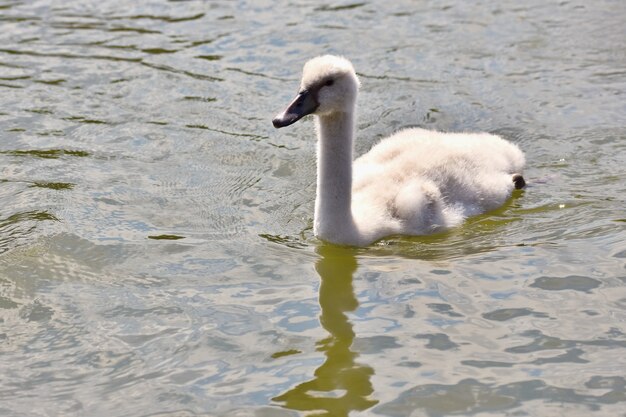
340 384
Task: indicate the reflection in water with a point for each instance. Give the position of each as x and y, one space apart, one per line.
134 183
340 385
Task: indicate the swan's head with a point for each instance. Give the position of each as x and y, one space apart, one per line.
329 85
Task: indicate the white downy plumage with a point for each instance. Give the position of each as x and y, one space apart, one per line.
414 182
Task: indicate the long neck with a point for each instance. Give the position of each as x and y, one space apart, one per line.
333 214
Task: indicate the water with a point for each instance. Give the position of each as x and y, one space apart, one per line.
156 252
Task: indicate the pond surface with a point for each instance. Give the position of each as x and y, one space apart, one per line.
156 251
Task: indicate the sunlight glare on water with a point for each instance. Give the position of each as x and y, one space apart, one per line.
156 251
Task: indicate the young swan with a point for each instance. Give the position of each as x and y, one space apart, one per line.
412 183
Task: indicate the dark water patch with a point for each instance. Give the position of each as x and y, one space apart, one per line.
571 356
411 281
572 282
17 229
7 303
201 42
374 344
68 56
158 51
210 57
170 69
15 78
78 25
399 78
239 134
615 333
166 237
10 85
511 313
19 19
202 99
329 8
47 153
445 309
438 341
256 74
167 19
284 353
27 216
40 111
54 185
543 342
11 65
402 14
85 120
142 31
334 27
122 47
591 312
57 133
288 241
9 5
610 383
36 311
410 364
487 364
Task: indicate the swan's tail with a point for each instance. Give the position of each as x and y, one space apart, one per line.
519 181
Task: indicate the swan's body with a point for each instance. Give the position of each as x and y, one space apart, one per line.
414 182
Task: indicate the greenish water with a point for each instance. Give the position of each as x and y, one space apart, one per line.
156 252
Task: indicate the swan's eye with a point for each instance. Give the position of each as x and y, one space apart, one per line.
330 82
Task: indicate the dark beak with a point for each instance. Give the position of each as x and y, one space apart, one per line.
304 103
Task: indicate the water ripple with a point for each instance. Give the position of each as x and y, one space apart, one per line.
156 246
